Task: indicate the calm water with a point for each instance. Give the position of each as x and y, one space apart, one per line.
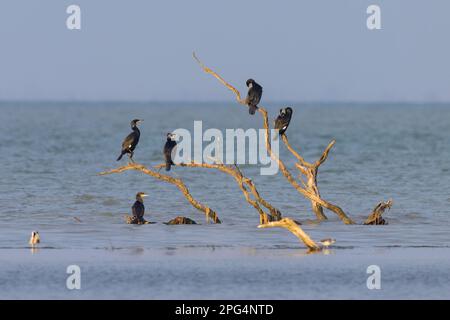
52 153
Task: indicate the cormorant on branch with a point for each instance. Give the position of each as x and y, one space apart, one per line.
253 96
131 141
168 149
282 121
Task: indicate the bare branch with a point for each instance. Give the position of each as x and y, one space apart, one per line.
210 214
325 154
300 159
226 84
243 183
293 227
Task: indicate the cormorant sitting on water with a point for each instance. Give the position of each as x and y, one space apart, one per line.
253 96
138 208
283 120
168 148
131 141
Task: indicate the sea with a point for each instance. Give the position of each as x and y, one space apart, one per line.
52 154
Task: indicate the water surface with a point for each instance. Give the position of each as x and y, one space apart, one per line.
52 153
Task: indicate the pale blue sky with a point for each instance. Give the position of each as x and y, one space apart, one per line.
298 50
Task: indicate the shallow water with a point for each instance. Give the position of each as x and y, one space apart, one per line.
52 153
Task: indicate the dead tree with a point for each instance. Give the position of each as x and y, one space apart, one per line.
245 184
210 214
312 196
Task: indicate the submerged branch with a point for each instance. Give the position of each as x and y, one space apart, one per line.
210 214
375 218
293 227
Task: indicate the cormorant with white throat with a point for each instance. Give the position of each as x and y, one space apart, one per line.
282 121
138 208
131 141
168 149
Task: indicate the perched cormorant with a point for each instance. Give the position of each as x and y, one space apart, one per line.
131 141
282 121
138 208
168 148
253 96
35 238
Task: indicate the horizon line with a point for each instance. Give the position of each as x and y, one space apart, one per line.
268 102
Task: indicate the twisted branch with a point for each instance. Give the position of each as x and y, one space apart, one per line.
209 213
245 184
310 171
305 192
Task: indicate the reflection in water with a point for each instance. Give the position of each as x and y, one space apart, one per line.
34 249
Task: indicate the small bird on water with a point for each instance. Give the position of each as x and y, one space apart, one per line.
35 238
281 123
253 96
138 208
327 242
168 149
131 141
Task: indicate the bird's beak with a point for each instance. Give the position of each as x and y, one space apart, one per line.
140 121
145 195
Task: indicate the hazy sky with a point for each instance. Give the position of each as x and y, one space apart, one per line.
298 50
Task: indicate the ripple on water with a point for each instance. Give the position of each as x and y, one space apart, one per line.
85 198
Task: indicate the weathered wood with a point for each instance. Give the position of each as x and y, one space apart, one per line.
375 218
310 171
129 219
180 220
210 214
293 227
245 184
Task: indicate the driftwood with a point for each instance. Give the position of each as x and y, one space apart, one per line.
293 227
180 220
246 185
210 214
375 218
133 220
305 191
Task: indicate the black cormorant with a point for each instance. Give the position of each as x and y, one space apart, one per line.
253 96
138 208
131 141
168 148
283 120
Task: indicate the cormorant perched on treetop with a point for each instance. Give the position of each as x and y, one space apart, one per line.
168 148
131 141
253 96
281 123
138 208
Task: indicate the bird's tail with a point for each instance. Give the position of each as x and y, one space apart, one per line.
121 155
252 109
168 165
